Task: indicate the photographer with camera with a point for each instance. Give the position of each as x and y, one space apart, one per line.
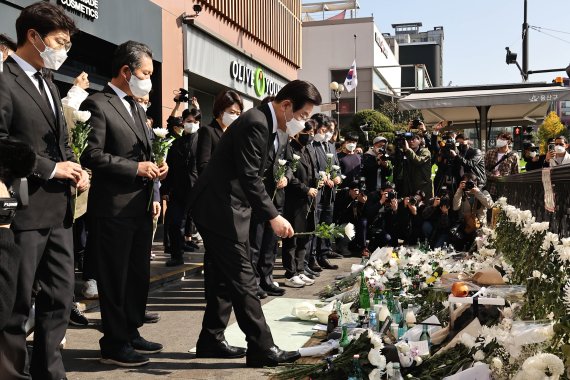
447 166
412 165
501 161
438 219
557 152
348 209
534 160
472 204
379 215
376 165
409 218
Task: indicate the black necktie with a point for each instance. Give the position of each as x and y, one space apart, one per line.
38 75
135 114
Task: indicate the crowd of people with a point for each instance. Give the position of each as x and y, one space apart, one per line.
241 186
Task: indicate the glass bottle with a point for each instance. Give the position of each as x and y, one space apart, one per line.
425 335
402 328
356 372
344 341
339 312
365 254
373 322
364 296
332 322
397 375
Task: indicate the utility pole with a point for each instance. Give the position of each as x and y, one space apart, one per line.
525 43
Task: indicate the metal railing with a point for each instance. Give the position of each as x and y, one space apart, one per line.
526 191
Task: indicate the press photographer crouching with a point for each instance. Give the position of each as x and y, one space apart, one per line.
472 204
16 161
349 207
379 214
438 219
409 218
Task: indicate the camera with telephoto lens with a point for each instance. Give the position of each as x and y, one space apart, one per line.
183 98
391 195
448 145
362 185
17 160
469 185
416 123
401 137
382 155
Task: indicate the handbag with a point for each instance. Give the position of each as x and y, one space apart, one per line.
472 222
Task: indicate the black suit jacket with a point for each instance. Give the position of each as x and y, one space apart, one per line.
25 116
182 174
327 194
303 179
232 185
208 138
115 147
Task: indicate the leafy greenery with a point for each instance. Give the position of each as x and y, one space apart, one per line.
398 118
380 125
79 136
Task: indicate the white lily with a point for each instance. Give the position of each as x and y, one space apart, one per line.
81 116
160 132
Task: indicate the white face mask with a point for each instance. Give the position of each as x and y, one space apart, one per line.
351 147
501 143
190 128
144 106
559 149
328 136
53 59
294 126
319 137
532 154
139 87
229 118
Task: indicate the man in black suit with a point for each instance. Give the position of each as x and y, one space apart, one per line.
120 236
225 195
31 112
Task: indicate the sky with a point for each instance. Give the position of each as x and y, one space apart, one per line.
477 32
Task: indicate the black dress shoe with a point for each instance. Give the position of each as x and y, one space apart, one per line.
334 255
324 263
175 261
151 317
219 350
192 245
314 266
273 290
143 346
309 271
261 294
270 358
126 357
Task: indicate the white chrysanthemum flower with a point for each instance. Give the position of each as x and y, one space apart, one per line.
375 358
296 157
536 274
336 167
563 252
479 356
549 239
160 132
376 341
539 364
323 175
497 363
282 162
403 347
418 360
501 202
467 340
330 155
81 116
349 231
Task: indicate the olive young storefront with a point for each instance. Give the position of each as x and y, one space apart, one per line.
212 65
103 25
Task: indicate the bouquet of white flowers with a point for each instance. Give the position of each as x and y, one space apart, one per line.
79 135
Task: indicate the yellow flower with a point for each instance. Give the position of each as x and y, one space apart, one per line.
394 255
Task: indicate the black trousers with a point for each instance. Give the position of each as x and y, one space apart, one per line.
47 257
263 251
176 224
229 280
294 255
122 246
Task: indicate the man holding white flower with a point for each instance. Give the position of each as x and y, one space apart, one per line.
119 154
227 192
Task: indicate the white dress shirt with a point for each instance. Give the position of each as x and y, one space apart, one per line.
121 94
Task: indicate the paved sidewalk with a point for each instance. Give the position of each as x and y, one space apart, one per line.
181 306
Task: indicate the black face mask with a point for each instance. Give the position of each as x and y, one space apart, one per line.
462 148
305 139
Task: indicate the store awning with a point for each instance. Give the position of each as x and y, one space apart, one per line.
506 105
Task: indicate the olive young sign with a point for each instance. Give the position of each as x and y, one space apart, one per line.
254 78
86 8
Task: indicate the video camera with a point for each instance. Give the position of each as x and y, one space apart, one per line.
17 161
401 137
183 98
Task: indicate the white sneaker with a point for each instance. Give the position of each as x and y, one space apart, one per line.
63 343
90 289
306 279
294 282
276 284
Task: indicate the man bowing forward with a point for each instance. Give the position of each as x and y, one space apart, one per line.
222 202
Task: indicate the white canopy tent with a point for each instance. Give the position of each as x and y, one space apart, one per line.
487 106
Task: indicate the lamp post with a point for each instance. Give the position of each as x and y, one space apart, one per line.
337 89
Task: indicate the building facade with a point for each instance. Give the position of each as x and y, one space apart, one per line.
328 52
250 46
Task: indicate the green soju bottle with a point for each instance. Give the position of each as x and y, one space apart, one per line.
364 296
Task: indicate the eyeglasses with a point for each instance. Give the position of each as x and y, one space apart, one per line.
61 43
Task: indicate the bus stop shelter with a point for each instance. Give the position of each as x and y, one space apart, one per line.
485 107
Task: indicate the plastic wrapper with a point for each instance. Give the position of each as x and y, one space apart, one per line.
305 311
415 332
512 293
320 350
